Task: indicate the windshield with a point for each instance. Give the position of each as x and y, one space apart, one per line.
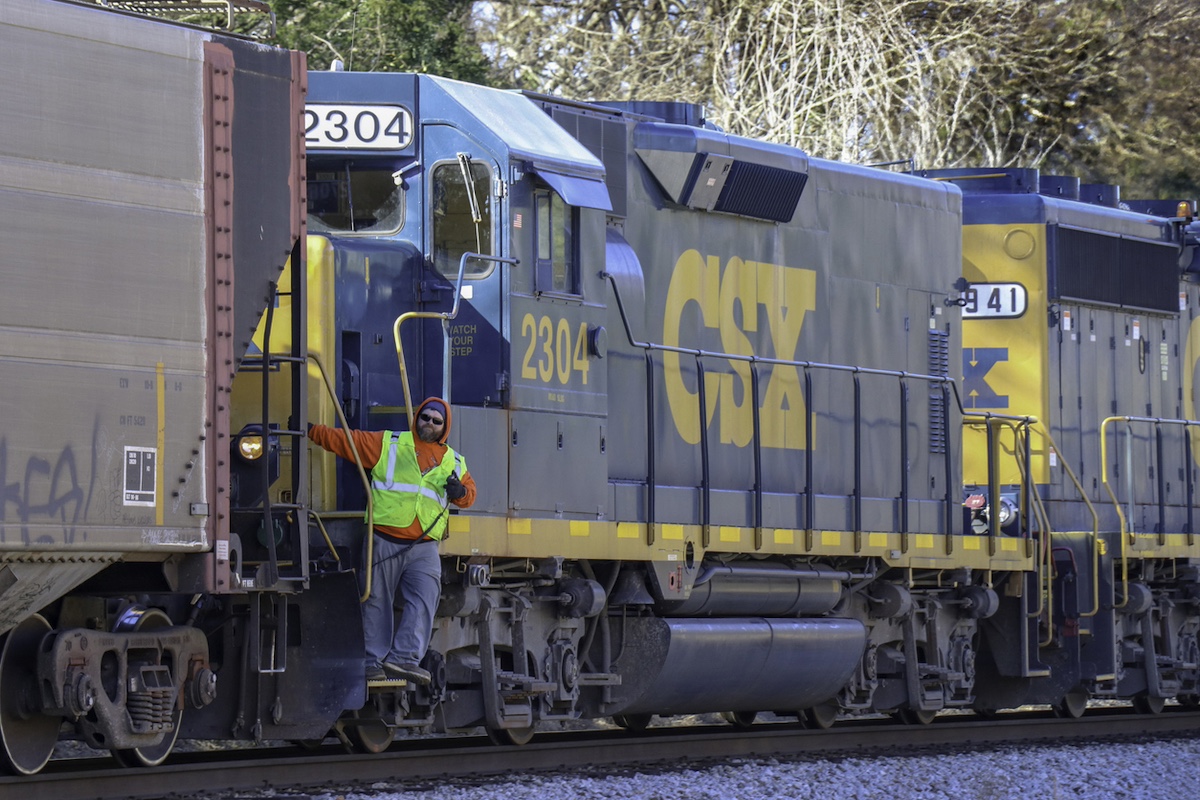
349 197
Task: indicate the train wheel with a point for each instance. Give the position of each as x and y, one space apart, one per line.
740 719
1145 704
633 722
308 745
369 736
820 717
1073 705
914 716
510 736
152 755
28 737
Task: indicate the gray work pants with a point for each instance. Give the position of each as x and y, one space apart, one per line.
415 571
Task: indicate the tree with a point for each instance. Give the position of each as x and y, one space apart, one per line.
432 36
1082 87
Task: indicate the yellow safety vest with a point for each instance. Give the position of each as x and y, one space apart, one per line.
400 493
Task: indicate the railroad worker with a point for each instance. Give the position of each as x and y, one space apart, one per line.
413 481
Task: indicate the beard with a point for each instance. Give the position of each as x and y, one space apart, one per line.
427 433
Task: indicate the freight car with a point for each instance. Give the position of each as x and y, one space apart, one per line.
708 387
150 182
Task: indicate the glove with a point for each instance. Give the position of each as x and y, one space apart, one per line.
454 488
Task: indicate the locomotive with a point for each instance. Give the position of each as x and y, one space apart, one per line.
752 431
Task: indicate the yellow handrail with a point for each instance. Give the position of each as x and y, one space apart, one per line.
445 317
1095 525
362 473
1126 533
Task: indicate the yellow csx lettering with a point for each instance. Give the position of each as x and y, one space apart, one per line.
786 294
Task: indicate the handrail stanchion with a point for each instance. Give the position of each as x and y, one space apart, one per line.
705 483
1162 484
758 468
1190 490
904 457
1117 504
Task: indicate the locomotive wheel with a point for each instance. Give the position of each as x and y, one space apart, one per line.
155 754
740 719
510 736
1073 705
1145 704
28 738
820 717
368 736
633 722
914 716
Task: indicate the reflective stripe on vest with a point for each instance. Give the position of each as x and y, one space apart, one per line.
401 494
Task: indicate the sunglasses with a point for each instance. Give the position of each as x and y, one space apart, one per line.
434 420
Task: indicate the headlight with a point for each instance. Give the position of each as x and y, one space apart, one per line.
1007 512
250 447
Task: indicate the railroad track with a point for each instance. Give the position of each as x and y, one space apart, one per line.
417 761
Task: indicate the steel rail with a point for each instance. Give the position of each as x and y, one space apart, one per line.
412 761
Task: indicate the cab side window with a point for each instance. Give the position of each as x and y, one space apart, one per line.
454 229
557 255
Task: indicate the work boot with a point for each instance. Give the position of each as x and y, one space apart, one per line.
409 672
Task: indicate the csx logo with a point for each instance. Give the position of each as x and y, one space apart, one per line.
977 363
735 301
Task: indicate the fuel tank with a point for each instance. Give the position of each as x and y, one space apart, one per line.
691 666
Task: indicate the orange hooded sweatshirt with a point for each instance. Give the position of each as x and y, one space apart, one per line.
370 448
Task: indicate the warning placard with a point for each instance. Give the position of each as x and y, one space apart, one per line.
140 471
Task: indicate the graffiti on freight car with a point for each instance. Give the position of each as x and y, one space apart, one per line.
40 489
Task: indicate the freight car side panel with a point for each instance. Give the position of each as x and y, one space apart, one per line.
123 292
102 358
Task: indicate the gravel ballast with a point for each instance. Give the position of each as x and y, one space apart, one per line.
1159 770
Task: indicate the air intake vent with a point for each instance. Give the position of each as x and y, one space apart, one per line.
1115 270
756 190
939 364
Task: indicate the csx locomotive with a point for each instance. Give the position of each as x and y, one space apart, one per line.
752 431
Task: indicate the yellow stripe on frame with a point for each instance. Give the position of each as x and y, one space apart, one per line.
730 534
831 538
580 528
784 536
520 527
672 532
877 540
160 381
1008 544
628 530
924 541
460 524
971 543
